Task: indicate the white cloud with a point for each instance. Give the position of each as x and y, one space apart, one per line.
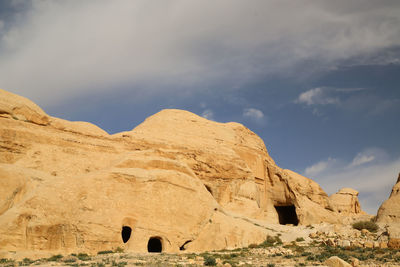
353 100
65 48
373 180
317 96
369 155
362 159
208 114
319 167
253 113
1 25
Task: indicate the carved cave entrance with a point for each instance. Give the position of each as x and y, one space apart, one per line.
154 245
287 214
126 233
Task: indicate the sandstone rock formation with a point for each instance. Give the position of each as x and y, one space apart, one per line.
389 211
177 181
346 201
389 215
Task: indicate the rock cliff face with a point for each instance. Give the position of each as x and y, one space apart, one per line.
177 181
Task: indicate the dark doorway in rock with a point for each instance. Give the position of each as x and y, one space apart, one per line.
126 233
287 214
154 244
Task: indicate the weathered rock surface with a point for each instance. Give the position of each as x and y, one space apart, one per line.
394 243
346 201
177 179
389 211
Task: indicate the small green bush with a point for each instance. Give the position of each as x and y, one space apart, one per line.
230 256
209 261
299 249
105 252
27 261
271 241
55 257
311 258
6 260
119 250
299 239
83 256
119 264
369 225
343 256
361 257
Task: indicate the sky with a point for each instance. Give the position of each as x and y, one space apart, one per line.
318 81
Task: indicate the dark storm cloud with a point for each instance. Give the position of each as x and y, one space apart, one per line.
63 48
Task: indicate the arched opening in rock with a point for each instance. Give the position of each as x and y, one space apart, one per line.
126 233
287 214
184 244
154 244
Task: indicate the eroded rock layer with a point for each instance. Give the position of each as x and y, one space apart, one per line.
177 181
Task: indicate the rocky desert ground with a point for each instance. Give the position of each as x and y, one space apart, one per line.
319 247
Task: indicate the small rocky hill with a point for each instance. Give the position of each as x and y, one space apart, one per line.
175 182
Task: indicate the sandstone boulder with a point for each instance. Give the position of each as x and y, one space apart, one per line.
336 262
346 201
